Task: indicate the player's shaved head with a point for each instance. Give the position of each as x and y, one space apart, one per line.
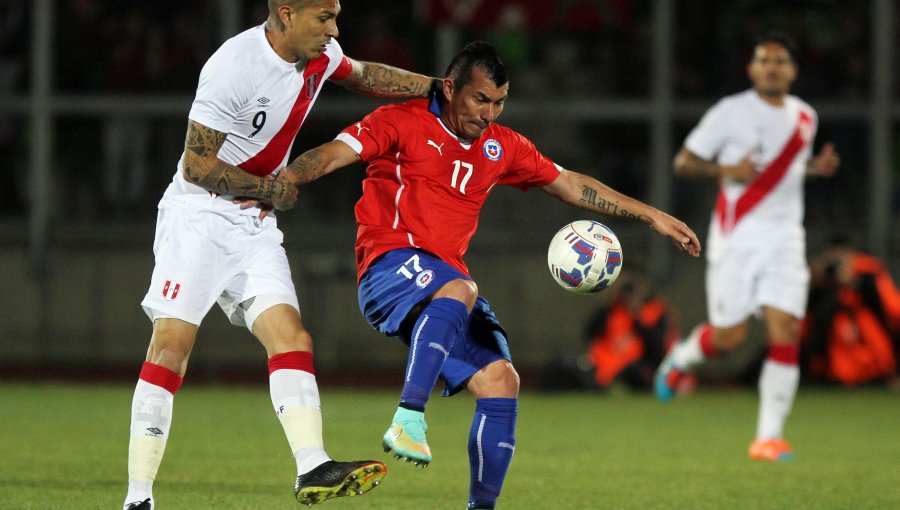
296 4
293 4
477 54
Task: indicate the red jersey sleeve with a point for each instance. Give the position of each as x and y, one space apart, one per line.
376 134
528 168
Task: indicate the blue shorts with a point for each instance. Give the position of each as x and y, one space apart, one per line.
395 289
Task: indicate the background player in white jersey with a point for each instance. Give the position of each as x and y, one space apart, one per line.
216 240
758 144
432 166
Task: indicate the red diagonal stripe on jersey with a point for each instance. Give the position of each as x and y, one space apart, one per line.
270 157
766 181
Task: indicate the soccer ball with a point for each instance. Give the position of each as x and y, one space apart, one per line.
585 256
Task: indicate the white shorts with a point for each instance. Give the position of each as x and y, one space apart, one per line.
742 280
204 257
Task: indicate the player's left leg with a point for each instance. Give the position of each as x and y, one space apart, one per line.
295 398
778 383
492 437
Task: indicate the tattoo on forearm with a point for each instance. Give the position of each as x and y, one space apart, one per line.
218 176
387 81
308 167
590 197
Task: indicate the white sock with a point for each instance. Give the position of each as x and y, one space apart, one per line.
777 387
688 354
295 397
151 419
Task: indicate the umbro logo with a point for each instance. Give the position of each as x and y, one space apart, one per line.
436 146
263 100
155 431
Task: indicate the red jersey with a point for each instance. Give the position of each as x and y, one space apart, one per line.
424 188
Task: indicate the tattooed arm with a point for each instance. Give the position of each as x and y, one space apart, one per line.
382 80
589 194
203 168
318 162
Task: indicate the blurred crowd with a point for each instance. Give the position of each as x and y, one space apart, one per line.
556 48
103 45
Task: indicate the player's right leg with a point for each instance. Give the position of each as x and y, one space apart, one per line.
730 301
151 408
433 335
705 341
183 287
419 298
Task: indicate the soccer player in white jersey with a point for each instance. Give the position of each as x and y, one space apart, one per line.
217 240
758 144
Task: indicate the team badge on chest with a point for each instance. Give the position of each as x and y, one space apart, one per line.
492 149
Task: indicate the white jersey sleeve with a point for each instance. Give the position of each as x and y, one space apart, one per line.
224 89
708 137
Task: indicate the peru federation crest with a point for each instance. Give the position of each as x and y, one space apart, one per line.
170 290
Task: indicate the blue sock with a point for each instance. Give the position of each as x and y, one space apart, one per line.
492 441
432 338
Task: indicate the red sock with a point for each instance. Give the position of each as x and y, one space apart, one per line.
294 360
161 376
788 354
706 344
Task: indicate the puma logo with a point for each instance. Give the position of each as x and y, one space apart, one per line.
436 146
359 128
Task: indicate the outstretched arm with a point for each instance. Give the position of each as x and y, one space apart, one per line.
203 168
589 194
374 79
318 162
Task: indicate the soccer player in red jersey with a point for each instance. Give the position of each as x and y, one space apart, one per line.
217 240
432 165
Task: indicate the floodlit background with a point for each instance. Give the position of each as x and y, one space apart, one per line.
94 96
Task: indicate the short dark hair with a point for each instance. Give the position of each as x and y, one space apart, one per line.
294 4
480 54
780 38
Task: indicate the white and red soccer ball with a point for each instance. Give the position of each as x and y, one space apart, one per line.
585 256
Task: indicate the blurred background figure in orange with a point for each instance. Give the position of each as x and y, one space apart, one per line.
852 331
630 335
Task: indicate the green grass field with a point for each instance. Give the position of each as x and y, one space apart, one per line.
64 447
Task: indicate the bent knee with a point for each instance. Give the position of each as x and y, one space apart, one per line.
497 380
727 339
460 289
171 344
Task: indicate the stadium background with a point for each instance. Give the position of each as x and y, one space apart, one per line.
94 95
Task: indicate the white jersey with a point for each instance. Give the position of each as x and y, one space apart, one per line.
260 101
779 140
